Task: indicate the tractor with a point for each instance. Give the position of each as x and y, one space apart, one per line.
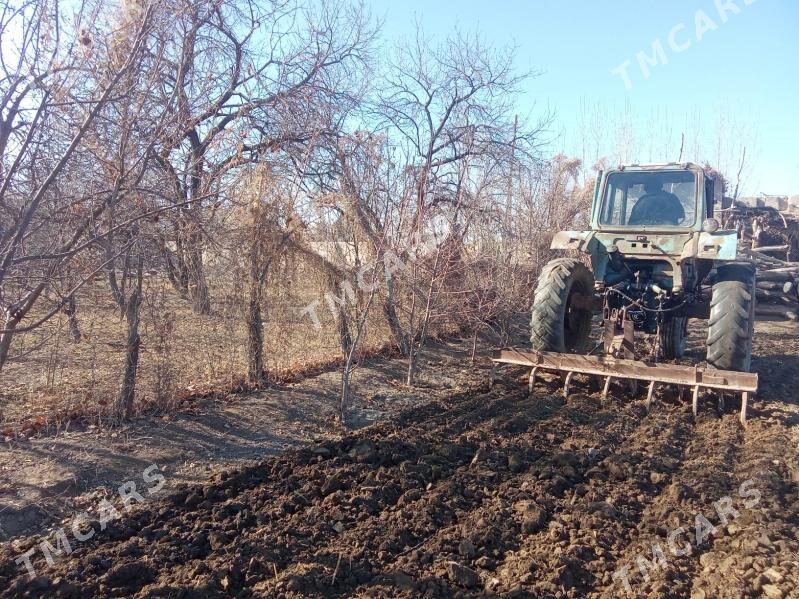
657 260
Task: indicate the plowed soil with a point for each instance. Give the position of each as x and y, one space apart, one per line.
483 493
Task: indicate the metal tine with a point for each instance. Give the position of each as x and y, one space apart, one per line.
744 401
531 381
607 387
566 383
695 403
650 394
722 403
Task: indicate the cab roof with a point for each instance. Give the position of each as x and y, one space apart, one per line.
654 166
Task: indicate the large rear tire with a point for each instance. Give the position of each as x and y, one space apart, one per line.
732 316
558 325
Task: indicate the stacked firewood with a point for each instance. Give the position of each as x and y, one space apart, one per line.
770 239
777 285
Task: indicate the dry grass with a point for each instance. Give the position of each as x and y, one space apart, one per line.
52 380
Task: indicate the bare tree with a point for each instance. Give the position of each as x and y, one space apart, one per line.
447 105
248 80
270 226
361 204
58 78
131 305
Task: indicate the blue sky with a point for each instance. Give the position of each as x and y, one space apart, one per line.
732 82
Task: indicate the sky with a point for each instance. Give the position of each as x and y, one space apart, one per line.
727 76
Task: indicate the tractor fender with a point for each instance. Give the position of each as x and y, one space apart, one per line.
572 240
721 245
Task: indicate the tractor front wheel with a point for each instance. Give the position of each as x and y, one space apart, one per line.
732 316
561 322
673 337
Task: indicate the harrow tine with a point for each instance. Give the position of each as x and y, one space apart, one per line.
650 394
744 401
566 383
722 403
531 381
607 387
695 403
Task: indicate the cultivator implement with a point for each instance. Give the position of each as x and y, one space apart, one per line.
610 369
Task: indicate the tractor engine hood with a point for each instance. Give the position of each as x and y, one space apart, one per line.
721 245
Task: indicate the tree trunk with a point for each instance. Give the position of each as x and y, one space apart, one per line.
473 354
347 351
173 265
256 373
344 400
258 263
9 325
411 373
417 342
13 316
778 311
71 310
390 312
344 336
198 286
185 268
128 390
351 344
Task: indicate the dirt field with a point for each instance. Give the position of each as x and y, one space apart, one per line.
477 492
45 478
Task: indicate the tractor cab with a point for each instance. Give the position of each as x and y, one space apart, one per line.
664 197
655 219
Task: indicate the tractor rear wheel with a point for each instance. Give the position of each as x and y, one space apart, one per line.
673 336
732 316
561 323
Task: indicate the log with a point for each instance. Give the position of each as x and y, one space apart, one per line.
782 286
769 263
792 268
771 248
776 297
768 260
778 275
778 311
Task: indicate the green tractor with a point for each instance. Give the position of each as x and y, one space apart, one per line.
658 259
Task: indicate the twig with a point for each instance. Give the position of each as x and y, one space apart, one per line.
335 572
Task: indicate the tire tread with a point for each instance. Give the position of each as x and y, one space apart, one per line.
730 327
549 305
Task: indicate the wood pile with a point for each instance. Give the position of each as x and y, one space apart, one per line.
770 238
777 286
